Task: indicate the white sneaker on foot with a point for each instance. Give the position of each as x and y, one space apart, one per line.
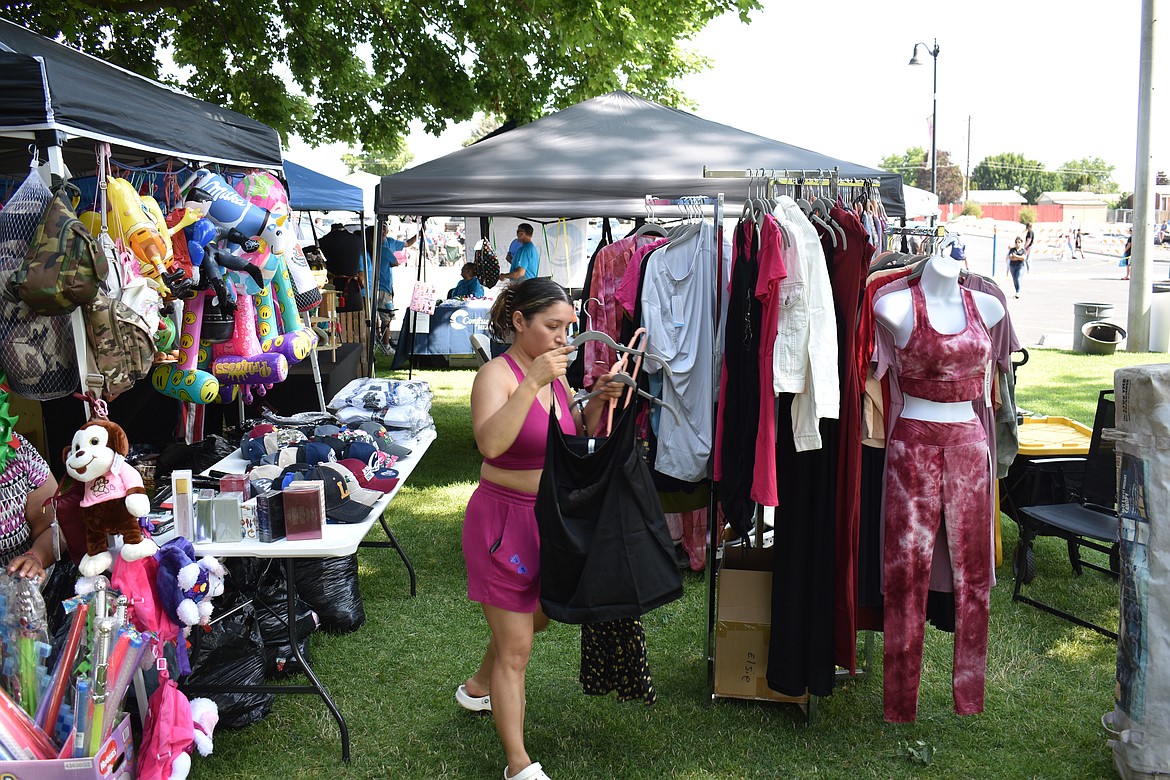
530 772
472 703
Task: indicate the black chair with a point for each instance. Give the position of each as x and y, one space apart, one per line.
1074 499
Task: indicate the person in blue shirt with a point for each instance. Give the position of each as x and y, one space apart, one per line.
525 260
387 262
469 286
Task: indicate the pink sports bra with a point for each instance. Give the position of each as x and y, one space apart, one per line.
527 452
944 367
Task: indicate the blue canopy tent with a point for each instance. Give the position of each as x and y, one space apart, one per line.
309 190
312 191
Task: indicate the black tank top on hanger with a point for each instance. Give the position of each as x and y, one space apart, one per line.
605 550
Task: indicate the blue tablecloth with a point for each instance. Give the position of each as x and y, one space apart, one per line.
451 327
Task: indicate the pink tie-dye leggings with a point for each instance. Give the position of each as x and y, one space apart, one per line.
935 472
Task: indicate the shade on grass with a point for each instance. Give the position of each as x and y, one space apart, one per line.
1048 681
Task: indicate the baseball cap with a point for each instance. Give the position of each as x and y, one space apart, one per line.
383 440
292 472
314 452
265 472
380 479
346 501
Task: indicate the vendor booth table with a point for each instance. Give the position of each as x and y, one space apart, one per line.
337 540
449 329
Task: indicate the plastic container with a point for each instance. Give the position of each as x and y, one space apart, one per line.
1160 318
1101 338
1084 313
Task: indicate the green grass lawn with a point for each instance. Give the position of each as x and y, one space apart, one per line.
1048 681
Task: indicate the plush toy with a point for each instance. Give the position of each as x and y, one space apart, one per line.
186 586
205 714
114 497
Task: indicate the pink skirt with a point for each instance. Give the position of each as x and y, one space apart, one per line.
501 547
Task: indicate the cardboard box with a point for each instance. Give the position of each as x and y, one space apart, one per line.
743 620
114 761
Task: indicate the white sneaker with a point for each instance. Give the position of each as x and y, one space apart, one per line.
472 703
531 772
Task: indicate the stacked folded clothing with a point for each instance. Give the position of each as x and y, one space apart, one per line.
402 407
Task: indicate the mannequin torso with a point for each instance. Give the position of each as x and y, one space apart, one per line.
947 315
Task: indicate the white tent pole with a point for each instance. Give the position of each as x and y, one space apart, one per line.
316 366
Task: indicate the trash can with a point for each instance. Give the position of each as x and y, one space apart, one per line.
1101 338
1160 318
1087 312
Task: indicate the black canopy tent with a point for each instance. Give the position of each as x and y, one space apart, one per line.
73 99
66 102
600 158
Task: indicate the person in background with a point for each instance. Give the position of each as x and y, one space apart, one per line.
387 262
959 251
28 533
1125 255
1029 239
1017 256
1077 244
512 399
525 260
468 286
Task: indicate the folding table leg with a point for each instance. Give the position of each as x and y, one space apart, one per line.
401 554
291 622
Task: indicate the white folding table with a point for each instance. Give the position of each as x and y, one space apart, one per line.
337 540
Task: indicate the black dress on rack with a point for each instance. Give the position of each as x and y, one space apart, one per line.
741 395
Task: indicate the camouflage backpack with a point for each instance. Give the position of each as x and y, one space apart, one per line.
120 346
64 264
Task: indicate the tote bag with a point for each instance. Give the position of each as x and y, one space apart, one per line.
605 550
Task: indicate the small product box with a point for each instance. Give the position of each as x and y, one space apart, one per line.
181 500
114 761
270 516
248 519
204 517
226 522
234 483
304 509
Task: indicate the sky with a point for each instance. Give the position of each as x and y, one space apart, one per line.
1054 81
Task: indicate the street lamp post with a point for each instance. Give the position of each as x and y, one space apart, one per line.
933 52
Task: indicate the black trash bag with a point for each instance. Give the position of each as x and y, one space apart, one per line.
59 587
330 587
278 653
231 653
197 456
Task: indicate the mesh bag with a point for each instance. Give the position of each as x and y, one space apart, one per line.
35 352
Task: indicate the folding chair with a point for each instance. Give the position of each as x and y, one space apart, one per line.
1084 512
482 347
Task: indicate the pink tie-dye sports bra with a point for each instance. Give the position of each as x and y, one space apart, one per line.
944 367
527 452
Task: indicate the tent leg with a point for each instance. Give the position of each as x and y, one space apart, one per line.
316 369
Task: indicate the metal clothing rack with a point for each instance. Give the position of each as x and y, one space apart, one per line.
772 177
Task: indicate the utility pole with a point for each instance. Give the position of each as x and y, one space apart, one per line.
967 175
1143 193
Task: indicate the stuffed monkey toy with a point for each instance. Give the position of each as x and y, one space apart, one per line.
114 497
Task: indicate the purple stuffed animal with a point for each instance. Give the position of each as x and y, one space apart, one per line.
186 586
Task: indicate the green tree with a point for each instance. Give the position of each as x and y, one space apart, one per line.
379 164
1009 171
914 165
358 71
1089 174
